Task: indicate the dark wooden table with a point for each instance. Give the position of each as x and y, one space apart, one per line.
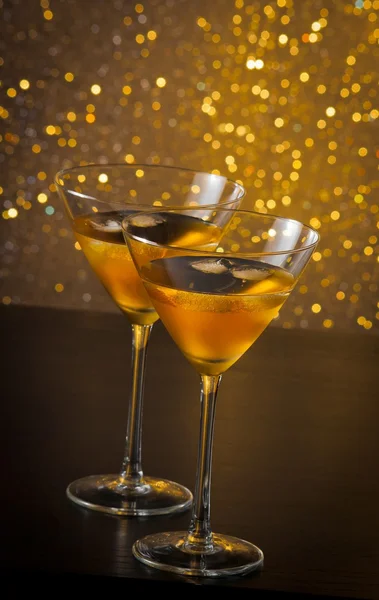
296 457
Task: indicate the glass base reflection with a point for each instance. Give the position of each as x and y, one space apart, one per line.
171 552
109 494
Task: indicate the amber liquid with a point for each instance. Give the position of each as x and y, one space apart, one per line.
101 239
215 317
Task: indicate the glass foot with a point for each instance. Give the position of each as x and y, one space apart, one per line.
229 555
109 494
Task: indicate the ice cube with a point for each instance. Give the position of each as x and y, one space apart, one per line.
211 265
250 273
107 225
147 220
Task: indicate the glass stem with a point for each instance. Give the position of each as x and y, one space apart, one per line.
131 472
199 537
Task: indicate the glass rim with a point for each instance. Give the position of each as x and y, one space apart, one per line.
214 252
61 172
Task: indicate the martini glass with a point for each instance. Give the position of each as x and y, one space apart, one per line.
215 303
97 198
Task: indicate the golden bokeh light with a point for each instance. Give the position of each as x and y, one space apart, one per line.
280 96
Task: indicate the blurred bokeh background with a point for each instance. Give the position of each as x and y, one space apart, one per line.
281 96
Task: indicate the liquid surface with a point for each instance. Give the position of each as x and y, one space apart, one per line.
101 239
215 308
